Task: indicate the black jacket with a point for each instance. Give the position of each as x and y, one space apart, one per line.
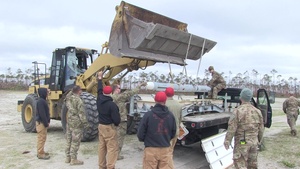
157 127
107 109
42 109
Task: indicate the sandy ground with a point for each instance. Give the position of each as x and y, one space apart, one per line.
18 148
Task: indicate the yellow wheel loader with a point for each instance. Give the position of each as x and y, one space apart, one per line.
139 38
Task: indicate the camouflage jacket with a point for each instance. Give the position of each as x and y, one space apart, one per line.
216 79
176 108
290 105
76 114
247 124
121 100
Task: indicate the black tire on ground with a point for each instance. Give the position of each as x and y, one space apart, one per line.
64 111
90 103
132 125
29 112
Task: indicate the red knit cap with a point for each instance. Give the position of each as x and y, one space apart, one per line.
169 91
107 90
160 97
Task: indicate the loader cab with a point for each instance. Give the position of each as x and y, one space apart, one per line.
67 64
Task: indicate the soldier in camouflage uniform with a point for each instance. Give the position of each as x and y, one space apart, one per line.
75 124
290 108
120 99
246 126
217 83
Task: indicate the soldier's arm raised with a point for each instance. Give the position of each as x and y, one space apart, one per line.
100 85
128 93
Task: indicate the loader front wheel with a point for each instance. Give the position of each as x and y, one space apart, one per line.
90 103
64 111
29 112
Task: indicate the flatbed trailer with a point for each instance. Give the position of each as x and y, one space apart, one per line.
204 120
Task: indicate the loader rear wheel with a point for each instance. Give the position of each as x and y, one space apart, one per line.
90 103
29 112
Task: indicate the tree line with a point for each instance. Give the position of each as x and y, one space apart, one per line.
20 80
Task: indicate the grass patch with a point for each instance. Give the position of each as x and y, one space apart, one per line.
277 113
288 164
279 124
89 148
283 148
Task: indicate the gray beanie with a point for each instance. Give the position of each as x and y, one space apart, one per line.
246 95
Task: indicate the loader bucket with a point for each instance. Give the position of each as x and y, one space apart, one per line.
139 33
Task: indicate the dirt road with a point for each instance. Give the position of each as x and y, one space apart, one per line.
15 141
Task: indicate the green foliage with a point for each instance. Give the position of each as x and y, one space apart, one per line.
283 148
13 86
277 113
288 164
15 81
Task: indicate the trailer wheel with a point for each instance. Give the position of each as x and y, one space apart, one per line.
29 112
91 111
132 125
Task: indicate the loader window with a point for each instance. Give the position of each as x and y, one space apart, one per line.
57 70
73 68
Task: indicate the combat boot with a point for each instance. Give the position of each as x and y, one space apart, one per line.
43 157
76 162
294 132
68 160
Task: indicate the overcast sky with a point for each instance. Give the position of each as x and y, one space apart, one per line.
250 34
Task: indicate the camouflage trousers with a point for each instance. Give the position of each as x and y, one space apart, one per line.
108 146
215 90
157 157
41 137
73 137
292 119
121 132
245 156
